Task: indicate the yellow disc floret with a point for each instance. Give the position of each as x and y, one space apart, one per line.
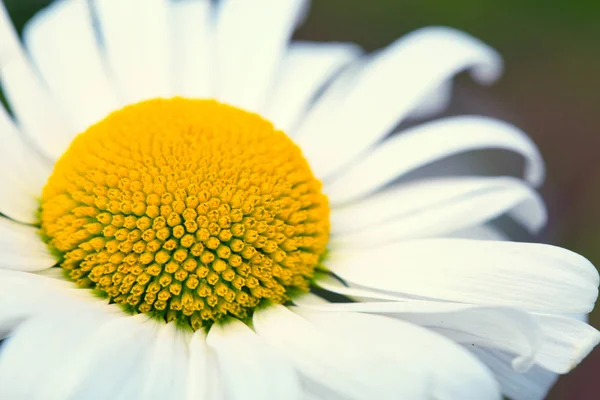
187 210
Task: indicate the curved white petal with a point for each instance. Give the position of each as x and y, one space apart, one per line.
251 40
248 367
62 43
193 58
329 361
388 87
566 342
136 36
480 232
435 207
534 277
37 349
353 292
203 381
502 328
168 364
29 99
22 248
26 295
426 143
365 356
531 385
305 69
467 379
434 102
309 299
23 174
115 348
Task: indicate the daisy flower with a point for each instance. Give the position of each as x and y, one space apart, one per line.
196 207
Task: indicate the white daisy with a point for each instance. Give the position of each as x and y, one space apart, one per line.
179 237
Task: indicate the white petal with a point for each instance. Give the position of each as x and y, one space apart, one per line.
453 374
22 248
62 43
248 367
136 36
251 40
37 349
191 30
566 342
366 356
489 327
329 360
531 385
30 294
23 174
203 380
480 232
25 294
168 363
388 88
309 299
434 102
426 143
535 277
355 293
30 101
435 207
116 349
305 69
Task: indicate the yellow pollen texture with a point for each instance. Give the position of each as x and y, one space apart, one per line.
187 210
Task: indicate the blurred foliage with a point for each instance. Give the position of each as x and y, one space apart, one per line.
507 23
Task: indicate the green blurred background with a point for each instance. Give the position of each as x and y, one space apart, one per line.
551 89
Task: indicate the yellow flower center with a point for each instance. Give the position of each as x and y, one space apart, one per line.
187 210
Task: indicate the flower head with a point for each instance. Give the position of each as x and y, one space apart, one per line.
195 207
188 210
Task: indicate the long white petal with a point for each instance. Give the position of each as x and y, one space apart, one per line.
434 102
328 360
29 99
501 328
249 368
22 248
62 43
251 40
566 342
355 293
426 143
37 349
116 349
388 87
480 232
531 385
435 207
192 44
23 174
535 277
204 381
27 295
20 299
168 364
409 342
136 36
355 356
305 69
